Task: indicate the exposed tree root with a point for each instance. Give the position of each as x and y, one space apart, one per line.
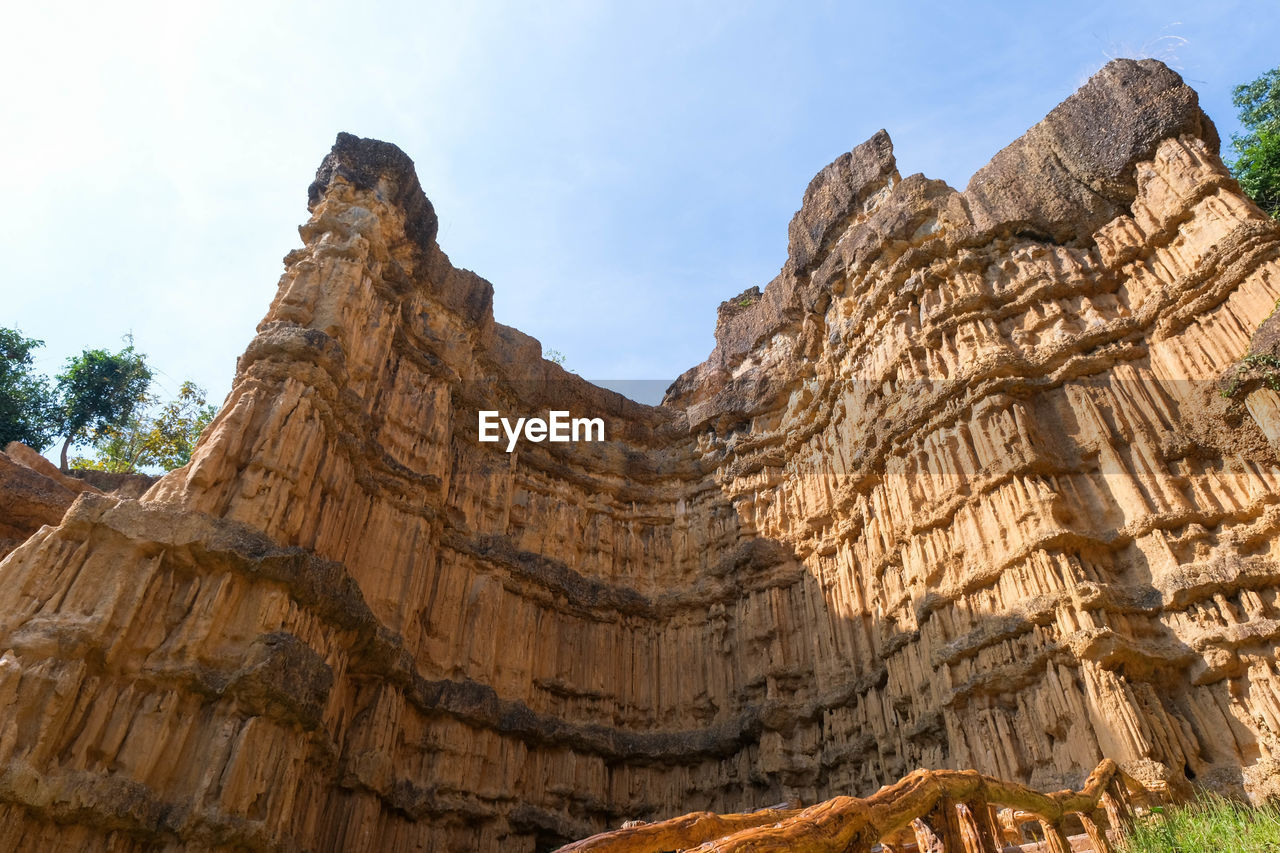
946 811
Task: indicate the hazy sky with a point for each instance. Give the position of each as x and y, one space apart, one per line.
615 169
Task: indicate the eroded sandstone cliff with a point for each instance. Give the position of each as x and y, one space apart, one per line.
982 479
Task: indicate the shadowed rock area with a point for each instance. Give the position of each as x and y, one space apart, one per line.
33 492
963 487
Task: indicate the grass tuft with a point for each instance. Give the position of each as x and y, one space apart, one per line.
1209 823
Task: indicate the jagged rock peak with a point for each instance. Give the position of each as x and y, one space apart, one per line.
1063 180
836 193
372 163
1066 176
1074 170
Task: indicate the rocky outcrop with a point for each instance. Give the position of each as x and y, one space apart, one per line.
33 493
125 484
960 488
28 501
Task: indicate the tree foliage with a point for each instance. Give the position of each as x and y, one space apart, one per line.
164 439
98 392
26 404
1257 163
177 427
101 399
1259 101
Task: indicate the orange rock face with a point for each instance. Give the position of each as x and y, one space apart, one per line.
983 479
33 493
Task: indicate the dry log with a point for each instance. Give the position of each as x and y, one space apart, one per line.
929 801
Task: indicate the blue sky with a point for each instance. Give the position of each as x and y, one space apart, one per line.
615 169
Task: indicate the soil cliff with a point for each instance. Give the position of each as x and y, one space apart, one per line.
983 479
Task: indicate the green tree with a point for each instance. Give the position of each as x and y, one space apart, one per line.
117 448
26 405
100 391
163 440
177 427
1257 163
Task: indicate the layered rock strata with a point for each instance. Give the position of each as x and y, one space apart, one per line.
963 487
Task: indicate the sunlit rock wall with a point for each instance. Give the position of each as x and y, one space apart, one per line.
983 479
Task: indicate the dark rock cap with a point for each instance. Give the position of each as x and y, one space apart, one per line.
372 164
837 193
1074 171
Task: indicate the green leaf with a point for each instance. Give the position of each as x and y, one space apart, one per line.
1257 163
27 407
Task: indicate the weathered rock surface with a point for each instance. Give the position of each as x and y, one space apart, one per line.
28 501
124 484
33 493
958 489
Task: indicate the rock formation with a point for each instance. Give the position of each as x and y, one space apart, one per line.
983 479
33 492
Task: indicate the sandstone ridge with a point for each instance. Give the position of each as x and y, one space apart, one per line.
983 479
